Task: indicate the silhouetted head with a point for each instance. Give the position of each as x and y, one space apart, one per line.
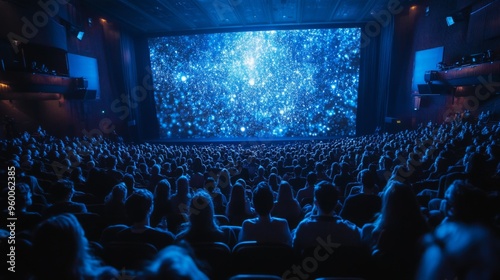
62 190
174 263
467 203
162 189
263 200
139 205
326 197
60 249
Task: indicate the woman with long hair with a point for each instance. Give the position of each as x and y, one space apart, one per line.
239 207
162 205
224 182
180 204
61 251
114 205
395 235
202 225
287 207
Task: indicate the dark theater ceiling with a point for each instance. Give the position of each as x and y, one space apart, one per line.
185 16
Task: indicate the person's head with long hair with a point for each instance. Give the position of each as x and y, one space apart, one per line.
273 181
224 180
175 263
285 192
61 250
182 186
162 192
467 204
237 200
201 214
400 209
117 195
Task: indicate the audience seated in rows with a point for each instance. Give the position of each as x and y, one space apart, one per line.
26 220
464 245
431 156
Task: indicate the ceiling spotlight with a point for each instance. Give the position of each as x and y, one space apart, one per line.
450 21
80 35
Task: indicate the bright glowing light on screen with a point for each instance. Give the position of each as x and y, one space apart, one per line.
280 83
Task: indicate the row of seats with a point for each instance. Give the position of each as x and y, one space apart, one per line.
249 257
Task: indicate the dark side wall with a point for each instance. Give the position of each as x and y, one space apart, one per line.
418 30
66 117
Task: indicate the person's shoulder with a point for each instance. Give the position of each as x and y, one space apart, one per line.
107 272
301 191
352 197
165 233
158 237
249 222
181 235
279 220
347 223
359 197
374 197
116 227
307 221
32 216
367 229
79 204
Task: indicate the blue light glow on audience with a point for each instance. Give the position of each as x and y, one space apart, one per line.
266 84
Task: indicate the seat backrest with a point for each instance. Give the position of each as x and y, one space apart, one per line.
234 232
343 261
98 208
175 221
262 258
255 277
222 220
215 256
92 223
128 255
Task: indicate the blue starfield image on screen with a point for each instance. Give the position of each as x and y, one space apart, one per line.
265 84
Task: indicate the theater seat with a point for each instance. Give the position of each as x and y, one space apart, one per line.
251 257
128 255
344 261
338 278
222 220
216 255
93 225
255 277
